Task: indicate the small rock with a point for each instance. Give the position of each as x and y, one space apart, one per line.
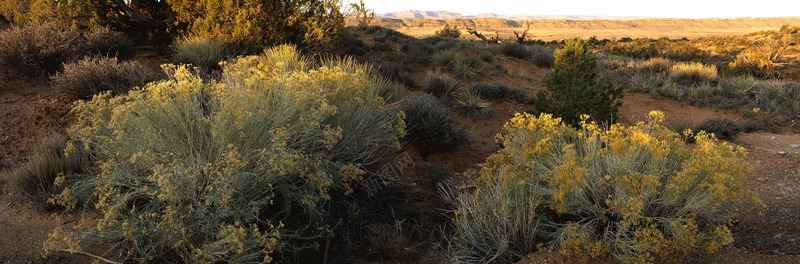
778 236
790 241
773 137
794 146
784 154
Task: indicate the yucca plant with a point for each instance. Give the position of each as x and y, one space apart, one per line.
465 67
443 59
473 106
442 86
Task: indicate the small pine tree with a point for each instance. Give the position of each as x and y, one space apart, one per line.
449 32
576 87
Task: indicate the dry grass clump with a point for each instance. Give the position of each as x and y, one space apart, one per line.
693 72
635 193
656 65
91 76
443 59
542 57
36 177
38 50
200 51
233 171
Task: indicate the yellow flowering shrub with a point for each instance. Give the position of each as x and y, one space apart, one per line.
202 171
636 193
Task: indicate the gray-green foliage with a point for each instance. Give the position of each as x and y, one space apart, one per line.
195 170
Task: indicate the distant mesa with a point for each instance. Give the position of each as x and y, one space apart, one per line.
444 15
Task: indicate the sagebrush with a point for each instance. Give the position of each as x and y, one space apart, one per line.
635 193
193 170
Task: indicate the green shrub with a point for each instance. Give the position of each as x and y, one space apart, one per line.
473 106
465 67
576 87
38 50
720 127
500 90
693 72
354 46
252 25
636 193
516 50
449 32
103 41
91 76
418 51
193 170
442 86
36 177
683 51
431 126
203 52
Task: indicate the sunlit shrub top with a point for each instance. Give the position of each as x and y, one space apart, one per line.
231 170
637 193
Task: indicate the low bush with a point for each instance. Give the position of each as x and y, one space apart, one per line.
38 50
354 46
91 76
542 57
449 32
431 126
397 74
693 72
103 41
36 177
382 47
516 50
473 106
500 90
199 51
720 127
487 57
201 171
442 86
636 193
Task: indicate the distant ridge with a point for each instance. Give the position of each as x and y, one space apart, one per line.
421 14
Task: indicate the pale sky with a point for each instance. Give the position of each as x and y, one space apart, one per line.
660 8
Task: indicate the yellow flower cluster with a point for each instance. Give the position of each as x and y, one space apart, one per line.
637 193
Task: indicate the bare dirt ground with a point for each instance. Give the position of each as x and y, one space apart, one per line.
30 110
